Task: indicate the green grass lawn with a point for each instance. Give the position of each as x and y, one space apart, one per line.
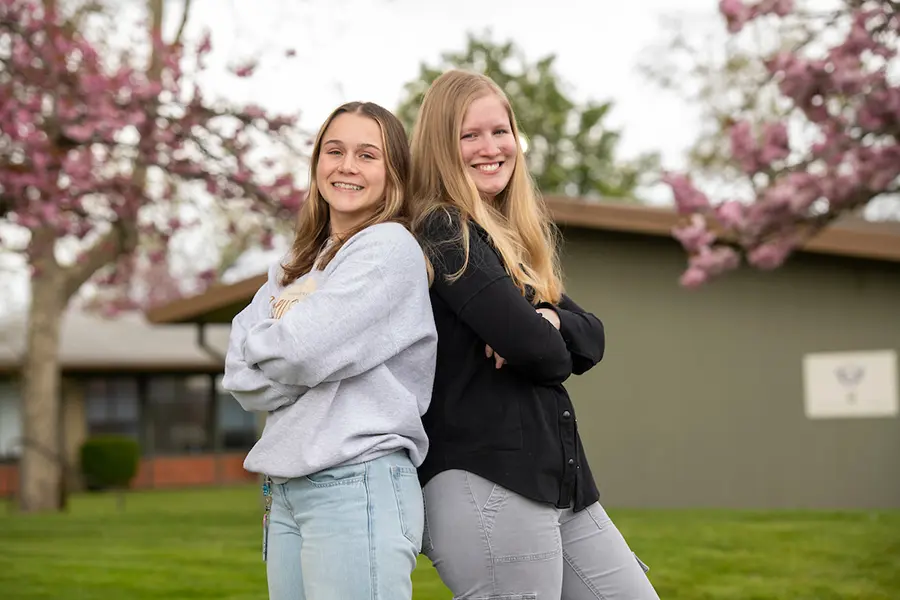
205 544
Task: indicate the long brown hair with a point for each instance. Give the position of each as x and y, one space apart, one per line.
313 228
517 221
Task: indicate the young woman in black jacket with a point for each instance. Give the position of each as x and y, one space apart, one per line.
511 507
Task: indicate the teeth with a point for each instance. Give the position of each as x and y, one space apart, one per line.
488 168
348 186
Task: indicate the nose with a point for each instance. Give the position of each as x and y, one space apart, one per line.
488 147
348 163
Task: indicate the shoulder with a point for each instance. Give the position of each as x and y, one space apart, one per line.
381 242
441 225
389 235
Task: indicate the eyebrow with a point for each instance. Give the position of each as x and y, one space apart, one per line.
359 146
496 125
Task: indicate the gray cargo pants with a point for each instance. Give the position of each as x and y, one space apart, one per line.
488 543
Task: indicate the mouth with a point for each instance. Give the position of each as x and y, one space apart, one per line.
488 168
347 187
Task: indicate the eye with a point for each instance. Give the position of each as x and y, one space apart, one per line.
367 156
501 132
334 152
468 136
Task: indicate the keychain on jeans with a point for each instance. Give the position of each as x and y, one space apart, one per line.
267 500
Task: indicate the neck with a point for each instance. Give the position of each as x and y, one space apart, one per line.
338 225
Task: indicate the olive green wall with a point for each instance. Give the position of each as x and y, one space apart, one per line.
699 400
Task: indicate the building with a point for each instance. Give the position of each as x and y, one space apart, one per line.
701 399
159 384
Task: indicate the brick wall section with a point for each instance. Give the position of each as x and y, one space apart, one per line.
9 480
166 472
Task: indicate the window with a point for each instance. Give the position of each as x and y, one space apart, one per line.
237 427
112 405
179 408
10 421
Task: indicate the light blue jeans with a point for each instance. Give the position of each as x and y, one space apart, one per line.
348 533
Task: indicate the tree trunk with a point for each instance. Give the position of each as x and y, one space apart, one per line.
41 464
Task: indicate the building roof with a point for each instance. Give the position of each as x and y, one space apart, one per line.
851 237
129 342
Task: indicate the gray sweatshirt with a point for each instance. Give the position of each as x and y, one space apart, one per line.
342 360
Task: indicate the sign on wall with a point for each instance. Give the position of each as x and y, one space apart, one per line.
850 384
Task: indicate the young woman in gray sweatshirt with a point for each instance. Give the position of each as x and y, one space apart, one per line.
338 348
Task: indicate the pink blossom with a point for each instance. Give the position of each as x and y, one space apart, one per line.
205 43
292 200
736 14
715 261
731 214
79 133
245 70
770 255
688 198
801 189
255 111
775 143
693 278
780 8
743 147
694 237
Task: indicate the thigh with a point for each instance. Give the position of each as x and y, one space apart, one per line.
361 530
283 547
487 542
598 561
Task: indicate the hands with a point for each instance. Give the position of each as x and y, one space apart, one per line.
548 313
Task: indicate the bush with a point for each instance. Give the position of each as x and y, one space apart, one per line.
109 461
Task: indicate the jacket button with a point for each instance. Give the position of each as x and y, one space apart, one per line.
566 414
571 461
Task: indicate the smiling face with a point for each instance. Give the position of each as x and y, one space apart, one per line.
487 145
351 170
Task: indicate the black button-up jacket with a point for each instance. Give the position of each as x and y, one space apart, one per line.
515 425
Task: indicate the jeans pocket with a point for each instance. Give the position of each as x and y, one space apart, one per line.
345 475
410 504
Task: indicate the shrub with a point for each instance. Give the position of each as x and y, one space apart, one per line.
109 461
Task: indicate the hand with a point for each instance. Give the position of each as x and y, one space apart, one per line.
551 315
499 361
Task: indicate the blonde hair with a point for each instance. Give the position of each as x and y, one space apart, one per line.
517 221
313 222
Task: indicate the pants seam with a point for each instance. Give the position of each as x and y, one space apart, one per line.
370 509
487 542
585 580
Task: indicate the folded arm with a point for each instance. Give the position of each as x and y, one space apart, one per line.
583 334
487 300
345 327
253 390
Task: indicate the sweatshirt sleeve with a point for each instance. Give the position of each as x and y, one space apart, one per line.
583 333
347 326
486 299
249 385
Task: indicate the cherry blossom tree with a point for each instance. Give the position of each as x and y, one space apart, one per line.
101 151
837 149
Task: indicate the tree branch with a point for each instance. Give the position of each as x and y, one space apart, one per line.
121 239
184 20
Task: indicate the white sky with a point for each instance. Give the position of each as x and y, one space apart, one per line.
368 49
